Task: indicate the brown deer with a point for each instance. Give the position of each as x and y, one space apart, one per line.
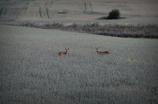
63 53
102 52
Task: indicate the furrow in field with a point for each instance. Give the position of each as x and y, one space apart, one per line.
90 4
87 7
51 4
40 13
46 4
47 10
44 12
17 13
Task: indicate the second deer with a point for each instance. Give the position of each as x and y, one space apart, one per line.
102 52
63 53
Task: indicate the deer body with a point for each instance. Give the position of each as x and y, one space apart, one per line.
102 52
63 53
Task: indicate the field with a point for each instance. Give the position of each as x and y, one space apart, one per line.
32 72
142 11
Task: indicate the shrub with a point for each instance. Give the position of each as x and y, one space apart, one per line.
114 14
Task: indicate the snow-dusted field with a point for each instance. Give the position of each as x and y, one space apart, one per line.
31 72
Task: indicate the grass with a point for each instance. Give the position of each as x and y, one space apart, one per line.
32 72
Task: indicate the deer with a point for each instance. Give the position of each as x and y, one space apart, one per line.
102 52
63 53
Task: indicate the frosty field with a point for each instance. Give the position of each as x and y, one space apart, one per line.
31 72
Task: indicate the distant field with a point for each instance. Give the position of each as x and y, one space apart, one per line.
142 11
31 72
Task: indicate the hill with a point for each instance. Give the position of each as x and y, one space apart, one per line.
142 11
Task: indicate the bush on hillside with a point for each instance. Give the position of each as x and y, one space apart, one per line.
114 14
